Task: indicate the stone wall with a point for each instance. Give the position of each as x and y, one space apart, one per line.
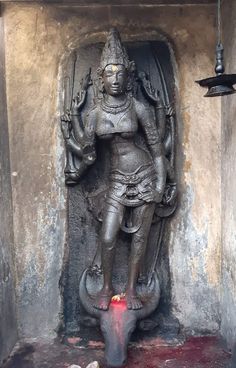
228 296
39 39
8 324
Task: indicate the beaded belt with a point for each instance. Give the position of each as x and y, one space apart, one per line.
135 177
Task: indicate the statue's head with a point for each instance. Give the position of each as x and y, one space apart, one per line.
115 68
115 79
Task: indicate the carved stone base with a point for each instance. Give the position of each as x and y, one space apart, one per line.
118 322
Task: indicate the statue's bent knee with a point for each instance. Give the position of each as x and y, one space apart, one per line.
108 241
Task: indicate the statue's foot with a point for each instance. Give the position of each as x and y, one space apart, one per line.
103 300
133 301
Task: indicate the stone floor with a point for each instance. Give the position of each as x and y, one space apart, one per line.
197 352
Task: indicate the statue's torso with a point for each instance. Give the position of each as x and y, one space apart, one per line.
119 130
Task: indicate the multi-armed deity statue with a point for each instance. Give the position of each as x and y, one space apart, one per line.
141 185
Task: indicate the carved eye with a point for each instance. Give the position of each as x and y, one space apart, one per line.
108 74
120 74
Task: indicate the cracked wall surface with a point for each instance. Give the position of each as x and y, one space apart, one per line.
228 173
8 323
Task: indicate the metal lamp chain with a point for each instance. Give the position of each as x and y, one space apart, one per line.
221 84
219 21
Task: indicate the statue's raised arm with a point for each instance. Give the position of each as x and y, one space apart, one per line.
79 137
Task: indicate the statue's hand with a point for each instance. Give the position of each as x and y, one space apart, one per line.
152 196
66 125
170 110
89 158
151 92
78 102
89 154
87 81
170 195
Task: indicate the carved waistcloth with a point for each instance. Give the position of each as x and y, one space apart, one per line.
128 189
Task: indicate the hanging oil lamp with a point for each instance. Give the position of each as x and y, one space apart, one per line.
221 84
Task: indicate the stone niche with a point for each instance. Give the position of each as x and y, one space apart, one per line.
153 58
48 223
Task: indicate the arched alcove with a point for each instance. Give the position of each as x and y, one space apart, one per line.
155 59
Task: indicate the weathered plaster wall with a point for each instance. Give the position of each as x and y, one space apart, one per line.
228 299
8 324
38 39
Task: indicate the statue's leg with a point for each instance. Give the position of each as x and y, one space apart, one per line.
112 219
138 248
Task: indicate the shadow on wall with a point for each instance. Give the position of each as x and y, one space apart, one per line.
233 361
22 357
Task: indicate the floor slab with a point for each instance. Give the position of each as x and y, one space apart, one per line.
195 352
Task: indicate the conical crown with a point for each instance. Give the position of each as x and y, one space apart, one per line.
114 52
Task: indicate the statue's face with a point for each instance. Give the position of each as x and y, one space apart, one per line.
115 79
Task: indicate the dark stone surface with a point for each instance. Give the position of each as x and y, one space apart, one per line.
198 352
83 228
8 327
120 2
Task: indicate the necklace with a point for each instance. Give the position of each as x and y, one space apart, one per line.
115 109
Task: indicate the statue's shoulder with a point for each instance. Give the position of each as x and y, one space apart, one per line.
141 107
93 111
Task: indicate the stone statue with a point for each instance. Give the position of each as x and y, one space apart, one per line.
128 115
138 176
